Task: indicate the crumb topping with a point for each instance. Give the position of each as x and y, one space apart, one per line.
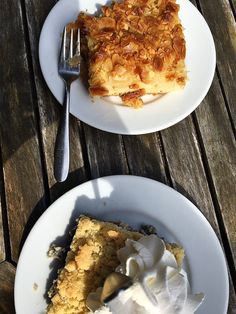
92 257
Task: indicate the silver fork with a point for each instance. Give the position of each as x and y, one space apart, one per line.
68 72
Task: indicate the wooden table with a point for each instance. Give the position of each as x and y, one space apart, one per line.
197 156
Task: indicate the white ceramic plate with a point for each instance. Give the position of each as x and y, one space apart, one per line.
134 200
108 114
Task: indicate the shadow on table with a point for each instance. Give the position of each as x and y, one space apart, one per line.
59 189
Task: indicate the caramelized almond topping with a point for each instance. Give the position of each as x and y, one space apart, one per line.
170 76
132 95
181 80
172 7
106 24
179 47
98 91
133 41
158 63
133 98
134 86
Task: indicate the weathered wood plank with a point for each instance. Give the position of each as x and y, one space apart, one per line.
144 156
105 153
220 149
22 167
36 12
221 20
7 275
78 173
186 167
2 246
188 175
232 296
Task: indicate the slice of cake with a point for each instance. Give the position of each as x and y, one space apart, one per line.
92 257
135 47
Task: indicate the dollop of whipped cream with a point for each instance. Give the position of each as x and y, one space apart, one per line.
159 285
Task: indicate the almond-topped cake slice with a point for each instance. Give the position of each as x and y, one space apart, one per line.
135 47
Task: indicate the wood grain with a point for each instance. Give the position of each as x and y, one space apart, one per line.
221 20
2 246
24 186
189 177
2 242
7 275
144 156
220 149
186 167
105 153
232 296
36 12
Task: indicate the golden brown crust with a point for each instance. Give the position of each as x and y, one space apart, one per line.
133 98
98 90
135 42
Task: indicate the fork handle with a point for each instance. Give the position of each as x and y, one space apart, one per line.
62 149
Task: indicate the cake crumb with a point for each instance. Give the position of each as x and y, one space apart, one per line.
148 229
56 251
74 61
35 286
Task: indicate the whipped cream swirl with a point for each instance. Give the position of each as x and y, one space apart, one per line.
159 285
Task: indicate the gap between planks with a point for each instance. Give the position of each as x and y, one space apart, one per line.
3 207
7 275
34 102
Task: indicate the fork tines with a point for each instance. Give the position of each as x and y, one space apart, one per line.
70 45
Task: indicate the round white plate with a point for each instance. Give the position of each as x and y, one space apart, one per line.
133 200
107 113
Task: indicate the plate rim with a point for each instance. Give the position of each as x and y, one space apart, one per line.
167 188
138 130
